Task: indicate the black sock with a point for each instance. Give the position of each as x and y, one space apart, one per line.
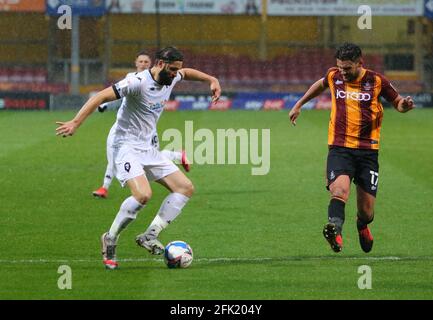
361 224
336 213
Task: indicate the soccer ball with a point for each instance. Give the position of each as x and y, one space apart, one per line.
178 254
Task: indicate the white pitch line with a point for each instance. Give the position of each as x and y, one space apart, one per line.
264 259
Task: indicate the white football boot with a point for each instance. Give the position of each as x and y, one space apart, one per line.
109 252
149 241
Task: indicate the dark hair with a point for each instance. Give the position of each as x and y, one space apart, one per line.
169 54
348 51
142 53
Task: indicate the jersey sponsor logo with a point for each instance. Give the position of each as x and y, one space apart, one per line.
156 106
358 96
367 86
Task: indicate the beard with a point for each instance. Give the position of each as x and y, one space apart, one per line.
164 78
350 77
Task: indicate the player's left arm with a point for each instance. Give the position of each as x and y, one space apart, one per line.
195 75
391 95
403 104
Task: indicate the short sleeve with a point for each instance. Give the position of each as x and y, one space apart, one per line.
178 78
387 90
129 85
325 79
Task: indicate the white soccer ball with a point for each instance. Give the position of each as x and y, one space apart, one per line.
178 254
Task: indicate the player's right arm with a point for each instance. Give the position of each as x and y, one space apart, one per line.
316 89
68 128
129 85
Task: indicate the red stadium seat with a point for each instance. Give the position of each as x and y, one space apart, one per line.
4 75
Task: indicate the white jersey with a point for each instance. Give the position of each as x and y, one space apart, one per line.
131 74
115 105
142 106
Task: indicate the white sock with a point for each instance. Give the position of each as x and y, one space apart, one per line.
171 207
127 213
172 155
107 181
108 177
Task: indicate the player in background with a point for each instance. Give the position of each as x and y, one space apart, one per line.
353 138
137 161
142 62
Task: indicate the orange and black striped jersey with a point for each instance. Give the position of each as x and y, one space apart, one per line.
356 113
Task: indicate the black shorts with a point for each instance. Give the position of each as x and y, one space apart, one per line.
361 165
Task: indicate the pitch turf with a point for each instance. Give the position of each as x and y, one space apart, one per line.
254 237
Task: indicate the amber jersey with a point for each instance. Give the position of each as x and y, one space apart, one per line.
356 114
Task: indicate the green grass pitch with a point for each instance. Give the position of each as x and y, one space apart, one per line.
254 237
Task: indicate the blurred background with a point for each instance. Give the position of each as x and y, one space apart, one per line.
265 52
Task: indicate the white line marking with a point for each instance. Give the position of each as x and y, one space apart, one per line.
228 260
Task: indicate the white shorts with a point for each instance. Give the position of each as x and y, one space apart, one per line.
130 163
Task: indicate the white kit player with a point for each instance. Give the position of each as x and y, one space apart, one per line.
136 161
142 62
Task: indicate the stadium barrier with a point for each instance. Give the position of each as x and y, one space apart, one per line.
24 101
194 101
267 101
244 101
67 102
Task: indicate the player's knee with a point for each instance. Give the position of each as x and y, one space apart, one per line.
366 211
187 189
143 197
341 193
